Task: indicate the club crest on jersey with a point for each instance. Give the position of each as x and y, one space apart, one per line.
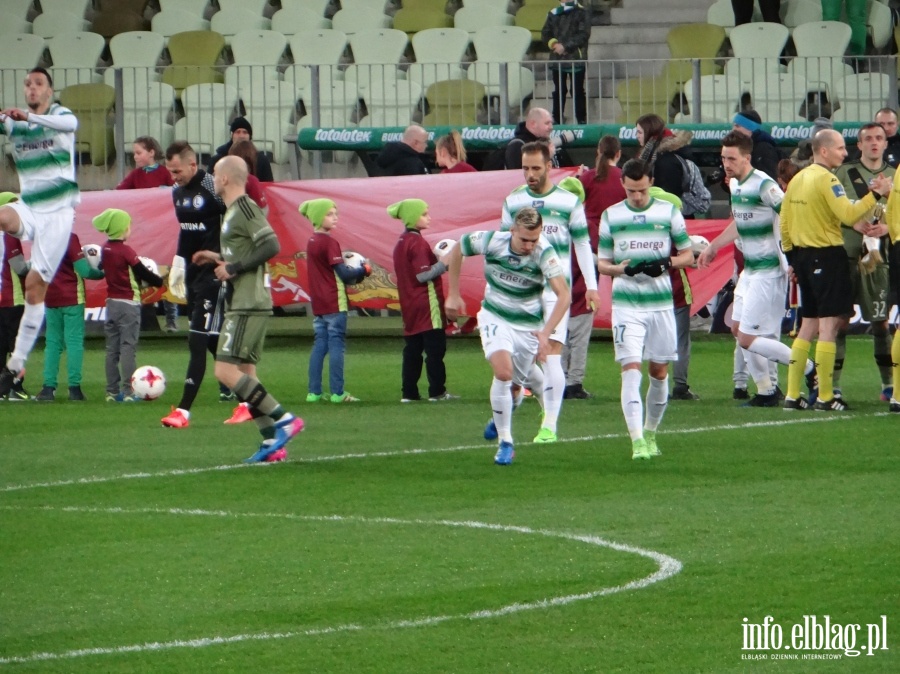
639 219
538 204
838 190
198 201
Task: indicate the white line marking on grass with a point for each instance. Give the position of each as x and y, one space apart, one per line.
668 567
99 479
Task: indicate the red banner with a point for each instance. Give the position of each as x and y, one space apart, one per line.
458 203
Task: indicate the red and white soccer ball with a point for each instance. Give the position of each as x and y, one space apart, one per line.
148 382
442 247
93 254
353 260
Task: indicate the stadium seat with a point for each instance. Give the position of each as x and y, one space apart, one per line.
270 106
22 51
317 7
137 48
17 9
492 4
759 40
93 105
257 7
880 22
861 96
501 44
721 13
172 21
376 55
195 7
208 109
147 110
439 53
640 95
50 24
300 77
777 97
426 5
821 38
694 41
356 21
194 56
229 22
13 26
298 20
720 97
532 18
362 5
412 21
454 102
257 55
797 12
474 18
77 7
75 58
392 102
318 47
338 102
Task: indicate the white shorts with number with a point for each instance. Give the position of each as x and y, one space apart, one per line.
561 331
49 234
759 304
498 335
644 335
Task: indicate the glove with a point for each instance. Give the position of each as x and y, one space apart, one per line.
635 269
652 268
562 138
176 279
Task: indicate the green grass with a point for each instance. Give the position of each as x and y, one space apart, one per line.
366 552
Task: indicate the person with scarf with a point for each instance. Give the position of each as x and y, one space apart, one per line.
567 31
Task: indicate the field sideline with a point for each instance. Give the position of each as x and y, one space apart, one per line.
389 542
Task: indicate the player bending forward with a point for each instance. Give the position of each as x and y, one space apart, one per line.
636 236
247 241
517 264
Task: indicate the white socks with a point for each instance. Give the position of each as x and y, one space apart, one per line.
657 401
502 406
29 327
632 407
759 370
554 387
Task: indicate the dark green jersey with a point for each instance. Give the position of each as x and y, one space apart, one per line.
855 178
244 227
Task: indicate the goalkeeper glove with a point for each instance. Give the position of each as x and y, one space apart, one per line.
652 268
177 278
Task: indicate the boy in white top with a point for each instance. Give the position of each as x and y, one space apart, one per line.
43 142
564 225
636 236
514 329
762 286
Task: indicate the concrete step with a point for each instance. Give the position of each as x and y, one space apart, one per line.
622 16
650 32
629 52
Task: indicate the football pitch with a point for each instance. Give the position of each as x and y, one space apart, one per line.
390 542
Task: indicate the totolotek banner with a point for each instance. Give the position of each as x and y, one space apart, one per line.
458 203
477 138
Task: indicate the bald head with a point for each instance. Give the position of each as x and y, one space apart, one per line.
825 138
539 121
416 137
828 148
230 178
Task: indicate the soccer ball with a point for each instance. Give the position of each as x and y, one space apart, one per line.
93 254
444 246
149 264
354 260
698 244
148 382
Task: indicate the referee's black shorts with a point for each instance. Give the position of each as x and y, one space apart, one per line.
823 275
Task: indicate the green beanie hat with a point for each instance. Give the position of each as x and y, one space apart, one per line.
660 193
408 210
112 222
7 197
316 210
573 185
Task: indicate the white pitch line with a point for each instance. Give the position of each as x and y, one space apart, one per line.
98 479
668 567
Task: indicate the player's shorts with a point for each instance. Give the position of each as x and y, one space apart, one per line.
49 234
208 309
242 338
823 275
561 331
498 335
759 303
871 291
644 335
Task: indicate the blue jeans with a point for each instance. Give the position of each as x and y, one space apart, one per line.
330 332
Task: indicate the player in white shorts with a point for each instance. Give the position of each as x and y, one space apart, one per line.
514 331
761 291
43 146
565 227
636 236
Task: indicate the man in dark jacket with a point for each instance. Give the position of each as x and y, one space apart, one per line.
887 117
765 156
241 130
404 157
538 126
567 31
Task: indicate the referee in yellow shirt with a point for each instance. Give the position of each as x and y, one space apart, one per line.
812 213
892 216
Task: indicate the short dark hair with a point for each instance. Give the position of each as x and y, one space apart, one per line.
150 144
743 143
538 147
43 71
636 169
890 110
652 125
181 149
870 125
530 218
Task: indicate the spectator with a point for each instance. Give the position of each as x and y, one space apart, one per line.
246 150
743 11
802 156
567 31
659 146
602 184
765 156
241 130
451 154
856 17
123 271
148 171
64 322
537 126
887 117
405 157
421 291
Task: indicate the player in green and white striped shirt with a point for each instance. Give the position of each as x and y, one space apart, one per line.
565 225
43 141
762 286
636 236
518 264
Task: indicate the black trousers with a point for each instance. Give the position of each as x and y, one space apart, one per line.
562 75
434 344
743 11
